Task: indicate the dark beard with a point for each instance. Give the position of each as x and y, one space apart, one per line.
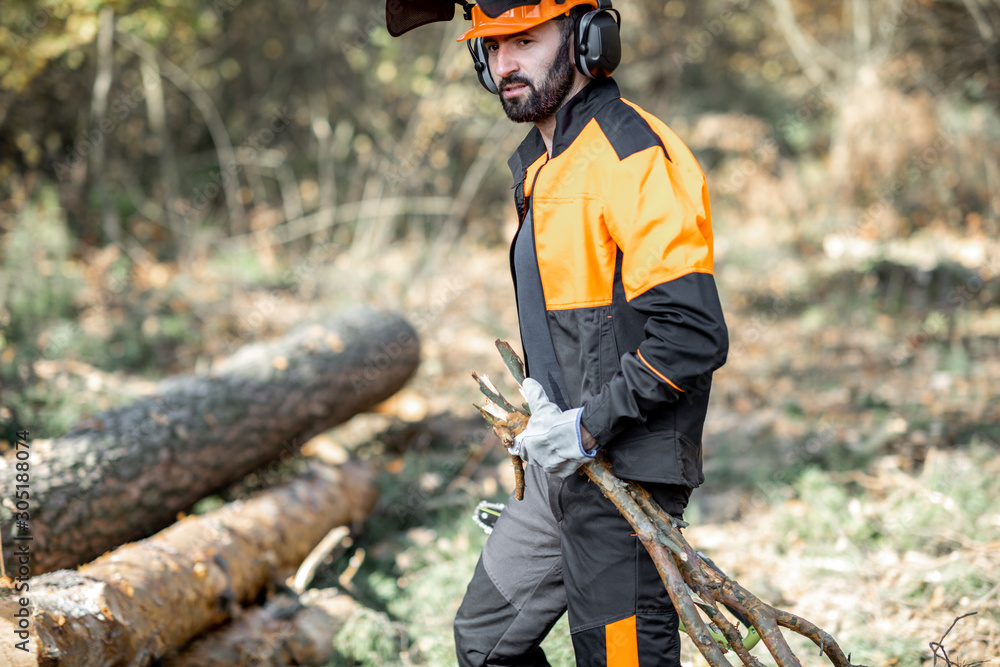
542 102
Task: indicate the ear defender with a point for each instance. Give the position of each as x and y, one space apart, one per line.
481 61
599 42
598 46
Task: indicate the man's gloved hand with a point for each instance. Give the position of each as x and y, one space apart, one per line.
552 438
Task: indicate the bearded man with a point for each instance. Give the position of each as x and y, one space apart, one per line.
621 328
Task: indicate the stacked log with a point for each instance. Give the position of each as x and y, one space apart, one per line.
125 473
286 631
135 604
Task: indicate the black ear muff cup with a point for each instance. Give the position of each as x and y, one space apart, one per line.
599 43
481 61
598 47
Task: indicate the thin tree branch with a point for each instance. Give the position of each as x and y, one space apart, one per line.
862 19
939 644
213 121
815 59
338 536
686 610
732 635
326 162
818 636
982 23
474 175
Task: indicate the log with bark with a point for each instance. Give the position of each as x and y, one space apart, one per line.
125 473
693 583
288 630
134 604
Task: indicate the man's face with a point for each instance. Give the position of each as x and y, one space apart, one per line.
532 70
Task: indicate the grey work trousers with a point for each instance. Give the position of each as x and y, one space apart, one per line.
565 546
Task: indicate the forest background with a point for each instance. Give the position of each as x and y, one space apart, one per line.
180 178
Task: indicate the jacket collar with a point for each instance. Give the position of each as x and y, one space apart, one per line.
570 121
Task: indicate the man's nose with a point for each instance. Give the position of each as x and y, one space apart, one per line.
506 63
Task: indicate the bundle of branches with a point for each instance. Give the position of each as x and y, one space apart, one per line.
691 580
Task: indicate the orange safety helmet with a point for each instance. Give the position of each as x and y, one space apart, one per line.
516 19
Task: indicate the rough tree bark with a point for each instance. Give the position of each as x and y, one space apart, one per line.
144 599
286 631
125 473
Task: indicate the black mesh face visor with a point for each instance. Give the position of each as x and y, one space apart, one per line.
405 15
494 8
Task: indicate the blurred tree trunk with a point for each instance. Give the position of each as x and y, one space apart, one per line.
214 122
100 183
133 605
156 112
125 473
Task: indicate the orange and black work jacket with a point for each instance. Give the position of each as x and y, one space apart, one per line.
612 267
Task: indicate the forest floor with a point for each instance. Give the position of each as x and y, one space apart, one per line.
851 449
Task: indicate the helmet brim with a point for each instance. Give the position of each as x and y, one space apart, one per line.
505 27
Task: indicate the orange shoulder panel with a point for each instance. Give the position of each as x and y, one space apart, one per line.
587 203
660 214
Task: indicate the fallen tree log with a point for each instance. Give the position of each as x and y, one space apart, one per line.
286 631
133 605
125 473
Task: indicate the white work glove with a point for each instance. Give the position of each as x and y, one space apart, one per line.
552 437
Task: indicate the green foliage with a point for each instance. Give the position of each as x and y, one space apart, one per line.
37 283
368 638
956 499
898 650
923 544
243 264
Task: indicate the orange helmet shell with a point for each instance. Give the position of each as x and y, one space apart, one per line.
518 19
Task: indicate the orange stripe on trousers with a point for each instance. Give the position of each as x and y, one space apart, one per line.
622 644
